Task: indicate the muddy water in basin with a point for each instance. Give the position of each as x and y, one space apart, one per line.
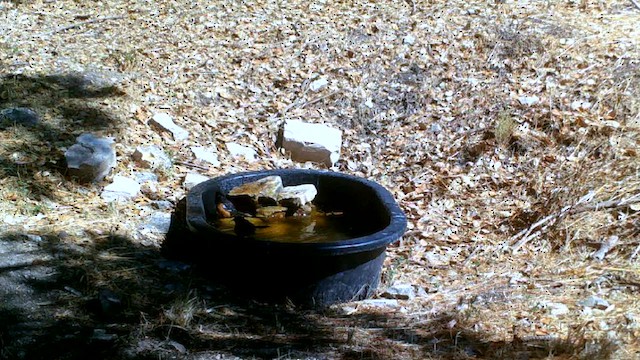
315 227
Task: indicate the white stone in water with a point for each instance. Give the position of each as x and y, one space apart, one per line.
237 150
91 158
121 189
152 157
267 187
193 179
165 122
206 154
297 195
311 142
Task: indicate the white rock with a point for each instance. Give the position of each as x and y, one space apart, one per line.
91 158
193 179
409 39
121 189
312 142
165 122
237 150
580 105
206 154
298 195
152 157
555 309
318 84
529 100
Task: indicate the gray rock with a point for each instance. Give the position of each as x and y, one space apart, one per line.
206 154
158 223
311 142
400 292
236 150
91 158
193 179
121 189
18 116
89 82
143 177
151 157
165 122
595 303
162 204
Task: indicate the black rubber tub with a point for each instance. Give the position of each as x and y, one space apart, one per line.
311 274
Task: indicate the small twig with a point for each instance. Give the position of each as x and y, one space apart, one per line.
192 165
320 98
637 4
527 234
609 204
82 23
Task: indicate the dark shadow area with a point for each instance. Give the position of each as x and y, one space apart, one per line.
54 110
64 299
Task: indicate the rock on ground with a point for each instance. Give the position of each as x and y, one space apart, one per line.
311 142
121 189
91 158
165 122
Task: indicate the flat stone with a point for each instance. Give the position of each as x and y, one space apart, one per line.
248 196
143 177
158 223
318 84
311 142
268 186
121 189
400 292
297 195
595 302
18 116
165 122
236 150
193 179
91 158
151 157
206 154
555 309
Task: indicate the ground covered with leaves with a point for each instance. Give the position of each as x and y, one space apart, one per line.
507 131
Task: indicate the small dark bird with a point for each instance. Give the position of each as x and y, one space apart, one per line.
244 227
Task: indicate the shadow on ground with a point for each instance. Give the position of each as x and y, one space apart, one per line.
64 298
66 105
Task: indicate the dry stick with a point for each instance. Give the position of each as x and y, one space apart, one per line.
188 164
72 26
637 4
526 234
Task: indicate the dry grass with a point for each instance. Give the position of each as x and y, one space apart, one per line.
507 202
